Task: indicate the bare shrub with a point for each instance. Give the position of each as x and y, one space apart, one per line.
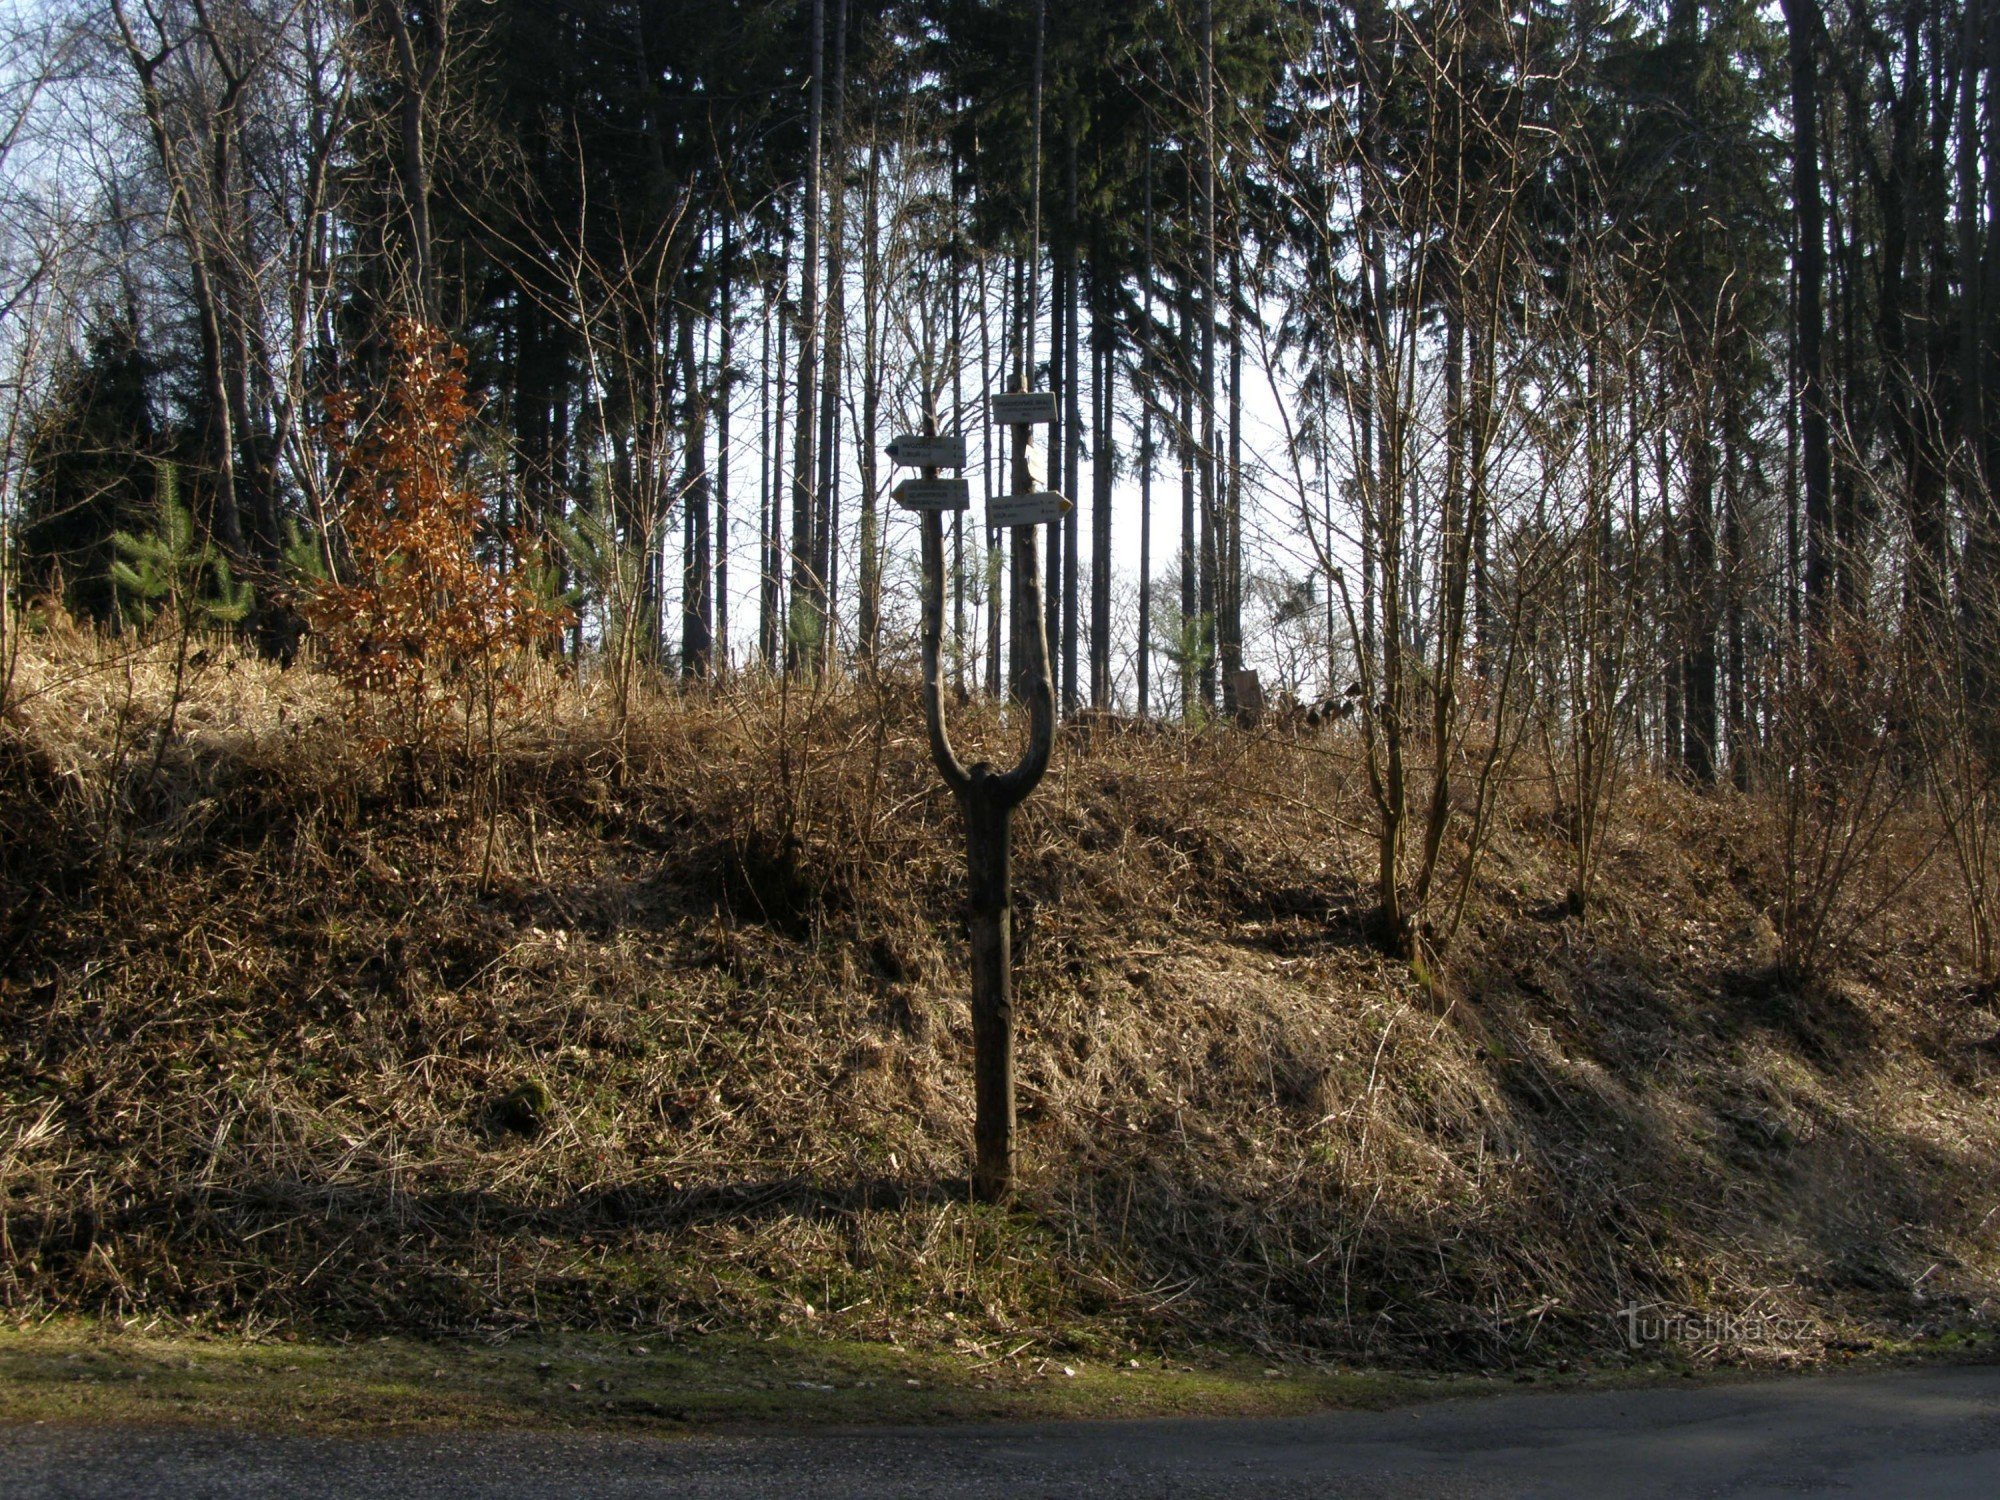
1838 800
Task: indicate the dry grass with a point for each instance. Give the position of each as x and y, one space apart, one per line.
676 1040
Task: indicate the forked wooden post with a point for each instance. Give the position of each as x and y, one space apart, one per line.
988 799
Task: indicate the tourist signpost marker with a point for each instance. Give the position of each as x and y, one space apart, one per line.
988 797
1015 408
930 453
934 494
1033 509
927 452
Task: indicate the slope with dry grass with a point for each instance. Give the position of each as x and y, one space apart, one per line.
665 1029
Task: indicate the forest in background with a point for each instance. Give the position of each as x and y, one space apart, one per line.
1612 386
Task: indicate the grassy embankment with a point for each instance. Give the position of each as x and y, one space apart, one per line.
661 1042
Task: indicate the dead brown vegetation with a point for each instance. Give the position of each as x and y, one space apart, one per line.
694 1051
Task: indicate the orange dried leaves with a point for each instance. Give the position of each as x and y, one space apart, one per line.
427 612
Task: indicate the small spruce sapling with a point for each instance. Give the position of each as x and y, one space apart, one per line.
177 573
175 568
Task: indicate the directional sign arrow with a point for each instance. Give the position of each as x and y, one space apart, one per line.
928 452
1023 406
934 494
1026 510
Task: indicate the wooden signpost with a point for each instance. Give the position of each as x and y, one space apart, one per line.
927 452
988 797
1026 510
1015 408
930 453
934 494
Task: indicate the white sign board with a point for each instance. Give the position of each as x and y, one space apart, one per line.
928 452
1026 510
934 494
1023 406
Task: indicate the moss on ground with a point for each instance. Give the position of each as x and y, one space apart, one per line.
77 1370
81 1370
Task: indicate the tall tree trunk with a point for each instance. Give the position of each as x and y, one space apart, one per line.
1072 483
769 440
783 492
958 425
1485 419
993 377
1671 608
1019 625
1232 555
1027 314
1699 665
1206 378
1987 325
1802 24
1853 503
413 79
869 615
1370 45
1978 154
255 482
697 602
210 319
802 645
1735 583
1147 375
1061 255
724 380
826 527
1191 632
1911 191
1794 509
1103 334
1930 522
529 405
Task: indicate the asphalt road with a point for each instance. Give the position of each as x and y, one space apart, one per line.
1912 1433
